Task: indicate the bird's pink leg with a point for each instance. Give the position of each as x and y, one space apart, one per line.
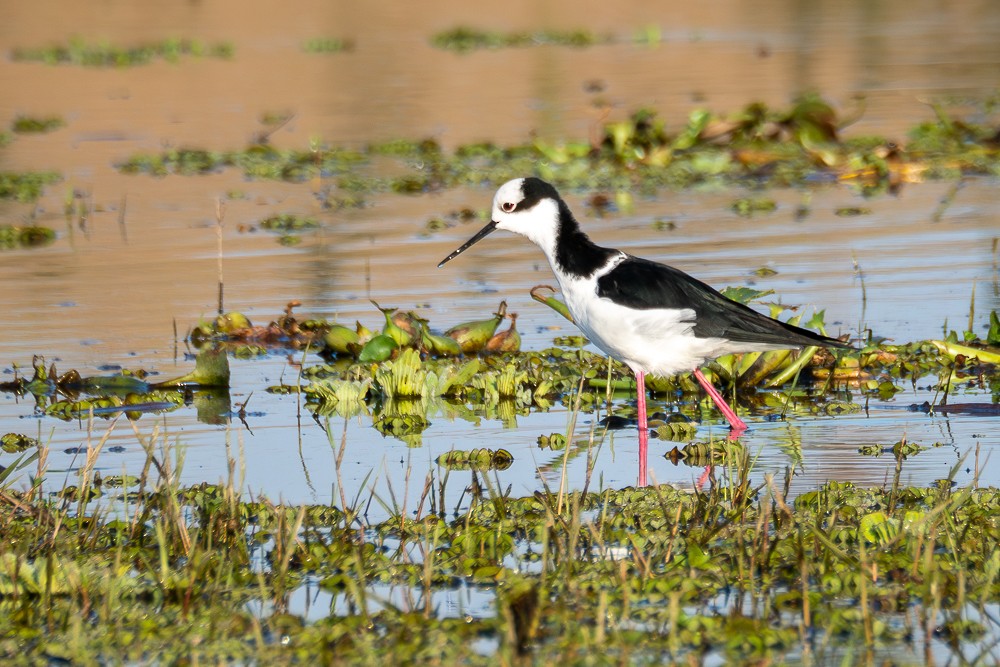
735 423
640 390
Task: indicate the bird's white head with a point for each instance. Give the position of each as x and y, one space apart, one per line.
525 206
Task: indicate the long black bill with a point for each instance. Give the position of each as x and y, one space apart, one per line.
468 244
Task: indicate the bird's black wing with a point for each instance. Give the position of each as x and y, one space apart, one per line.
644 285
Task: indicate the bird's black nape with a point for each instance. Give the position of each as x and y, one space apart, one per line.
575 253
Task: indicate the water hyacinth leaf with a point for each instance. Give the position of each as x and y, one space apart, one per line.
745 295
437 346
378 349
805 356
364 333
402 378
697 558
537 293
341 339
697 122
452 378
401 336
231 323
473 336
766 364
993 335
506 341
954 350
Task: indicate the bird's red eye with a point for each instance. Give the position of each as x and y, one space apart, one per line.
508 206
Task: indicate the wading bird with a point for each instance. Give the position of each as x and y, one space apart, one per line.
652 317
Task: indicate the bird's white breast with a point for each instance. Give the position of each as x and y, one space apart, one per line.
659 341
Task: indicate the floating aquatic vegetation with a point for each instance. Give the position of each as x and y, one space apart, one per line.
403 377
132 405
378 348
36 125
400 335
852 211
438 346
544 294
256 161
674 428
25 186
404 419
287 222
346 398
16 442
716 452
288 225
327 45
342 340
955 351
473 336
465 39
235 329
505 341
25 237
481 459
901 449
102 54
749 206
555 441
756 145
509 382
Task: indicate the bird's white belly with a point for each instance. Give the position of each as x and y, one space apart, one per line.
657 341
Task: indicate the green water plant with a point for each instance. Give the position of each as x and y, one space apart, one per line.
473 336
756 145
33 236
25 186
481 459
464 39
327 45
36 125
104 54
658 573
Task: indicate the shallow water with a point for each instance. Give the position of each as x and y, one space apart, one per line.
107 293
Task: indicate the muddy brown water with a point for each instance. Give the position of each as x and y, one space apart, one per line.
104 295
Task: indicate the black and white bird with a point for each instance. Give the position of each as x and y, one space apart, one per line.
652 317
